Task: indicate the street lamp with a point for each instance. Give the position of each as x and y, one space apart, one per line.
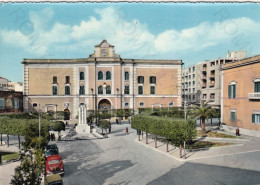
117 92
92 98
40 115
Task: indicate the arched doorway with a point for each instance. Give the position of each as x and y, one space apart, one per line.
104 104
66 114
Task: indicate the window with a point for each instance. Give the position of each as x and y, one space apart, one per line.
108 90
193 97
108 75
232 91
67 79
126 76
152 80
152 89
126 104
189 76
82 90
257 87
100 76
81 76
67 90
193 89
256 118
189 70
233 115
140 79
126 89
140 89
212 96
193 76
193 83
100 90
193 69
54 80
189 83
171 104
35 105
141 104
54 90
16 103
2 103
204 96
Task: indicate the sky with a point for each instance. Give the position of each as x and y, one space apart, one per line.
191 32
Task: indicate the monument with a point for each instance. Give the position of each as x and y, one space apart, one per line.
82 127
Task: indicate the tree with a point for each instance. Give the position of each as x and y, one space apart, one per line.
203 111
104 124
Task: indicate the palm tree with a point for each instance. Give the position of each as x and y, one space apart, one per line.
203 112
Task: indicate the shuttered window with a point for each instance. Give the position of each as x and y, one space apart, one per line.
256 118
232 91
257 87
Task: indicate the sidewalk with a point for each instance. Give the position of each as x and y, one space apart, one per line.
7 172
249 144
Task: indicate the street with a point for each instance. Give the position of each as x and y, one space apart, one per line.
120 159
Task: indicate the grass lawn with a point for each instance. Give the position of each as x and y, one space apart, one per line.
215 134
7 156
205 144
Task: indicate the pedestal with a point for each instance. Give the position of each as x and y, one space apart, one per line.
83 129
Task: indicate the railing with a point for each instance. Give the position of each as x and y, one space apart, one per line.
254 95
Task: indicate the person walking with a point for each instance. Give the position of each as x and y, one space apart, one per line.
126 130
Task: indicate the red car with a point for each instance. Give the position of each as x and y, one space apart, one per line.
54 165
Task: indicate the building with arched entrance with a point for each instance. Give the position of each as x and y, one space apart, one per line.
102 81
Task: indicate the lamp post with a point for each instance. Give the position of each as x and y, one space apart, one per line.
92 98
117 91
40 114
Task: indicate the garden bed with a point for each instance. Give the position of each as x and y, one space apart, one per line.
215 135
196 145
9 156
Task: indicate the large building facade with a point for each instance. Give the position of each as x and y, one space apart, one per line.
102 81
241 95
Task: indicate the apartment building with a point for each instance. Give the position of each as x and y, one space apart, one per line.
190 94
102 81
241 95
208 79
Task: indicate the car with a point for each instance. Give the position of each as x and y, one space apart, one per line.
51 149
53 180
54 165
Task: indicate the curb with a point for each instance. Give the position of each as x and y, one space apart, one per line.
222 139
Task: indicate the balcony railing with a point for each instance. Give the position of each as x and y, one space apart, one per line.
254 95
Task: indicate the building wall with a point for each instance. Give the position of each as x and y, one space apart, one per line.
8 97
243 77
38 82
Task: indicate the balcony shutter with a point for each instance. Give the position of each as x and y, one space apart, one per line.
234 91
253 118
229 91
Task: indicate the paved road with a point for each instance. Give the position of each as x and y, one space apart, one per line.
121 160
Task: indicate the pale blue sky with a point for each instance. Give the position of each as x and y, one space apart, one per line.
187 31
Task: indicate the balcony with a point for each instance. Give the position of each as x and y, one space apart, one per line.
212 76
211 100
254 95
204 85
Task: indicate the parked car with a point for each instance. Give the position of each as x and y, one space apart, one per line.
54 165
51 149
53 180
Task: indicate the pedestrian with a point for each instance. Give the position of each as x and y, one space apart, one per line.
53 137
126 130
117 121
237 132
